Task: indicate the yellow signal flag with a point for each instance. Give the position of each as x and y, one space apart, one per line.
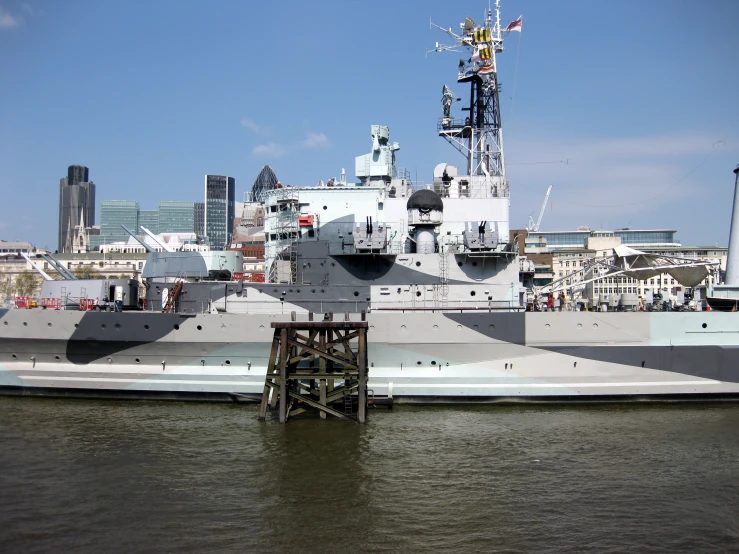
481 35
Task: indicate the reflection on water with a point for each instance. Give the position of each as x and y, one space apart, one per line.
94 475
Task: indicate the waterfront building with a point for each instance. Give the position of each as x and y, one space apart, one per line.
176 217
219 210
179 242
76 196
636 238
9 249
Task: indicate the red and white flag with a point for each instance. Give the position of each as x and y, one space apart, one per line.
514 25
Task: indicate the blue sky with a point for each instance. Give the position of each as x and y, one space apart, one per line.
628 108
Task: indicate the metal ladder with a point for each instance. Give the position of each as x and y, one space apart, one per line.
444 276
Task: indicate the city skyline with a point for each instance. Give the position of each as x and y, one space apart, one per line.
626 109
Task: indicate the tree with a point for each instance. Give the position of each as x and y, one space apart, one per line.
6 288
27 283
86 272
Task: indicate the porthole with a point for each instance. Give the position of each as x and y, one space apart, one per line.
228 362
313 291
117 325
418 362
547 326
146 326
704 325
57 357
5 323
475 327
436 327
595 325
472 293
110 360
322 291
433 362
25 324
402 327
474 264
579 325
460 264
137 360
76 325
49 324
491 326
200 327
371 327
325 207
418 264
176 327
459 327
15 357
261 327
103 326
356 293
418 293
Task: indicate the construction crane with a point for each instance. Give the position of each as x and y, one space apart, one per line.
534 227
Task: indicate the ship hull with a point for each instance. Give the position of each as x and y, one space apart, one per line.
413 357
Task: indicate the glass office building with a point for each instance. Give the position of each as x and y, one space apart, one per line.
150 220
220 210
200 219
113 214
176 217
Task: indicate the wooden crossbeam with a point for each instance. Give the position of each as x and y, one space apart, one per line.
326 355
321 407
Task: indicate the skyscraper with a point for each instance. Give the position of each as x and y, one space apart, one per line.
76 198
219 210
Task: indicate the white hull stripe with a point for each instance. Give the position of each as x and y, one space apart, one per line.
403 385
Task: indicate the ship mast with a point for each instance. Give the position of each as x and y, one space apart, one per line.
478 135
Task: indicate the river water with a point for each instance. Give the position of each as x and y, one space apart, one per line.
100 476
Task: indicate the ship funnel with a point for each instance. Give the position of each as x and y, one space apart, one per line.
732 261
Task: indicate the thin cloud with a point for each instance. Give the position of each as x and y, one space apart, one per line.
30 10
269 150
8 20
315 140
254 126
610 176
312 141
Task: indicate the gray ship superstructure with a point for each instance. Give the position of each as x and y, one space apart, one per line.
431 268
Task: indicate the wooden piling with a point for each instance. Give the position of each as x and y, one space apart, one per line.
339 347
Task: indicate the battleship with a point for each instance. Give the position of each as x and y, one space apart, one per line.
434 270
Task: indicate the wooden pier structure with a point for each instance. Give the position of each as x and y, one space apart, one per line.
317 366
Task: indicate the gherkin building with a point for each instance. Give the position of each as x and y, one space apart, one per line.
265 181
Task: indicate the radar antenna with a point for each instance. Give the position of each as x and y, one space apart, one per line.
478 136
